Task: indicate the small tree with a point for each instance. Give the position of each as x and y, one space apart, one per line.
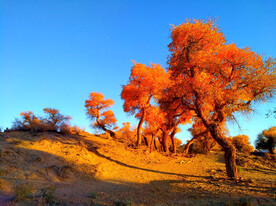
127 133
145 83
28 120
54 119
17 125
96 109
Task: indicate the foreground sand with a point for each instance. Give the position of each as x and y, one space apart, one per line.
85 166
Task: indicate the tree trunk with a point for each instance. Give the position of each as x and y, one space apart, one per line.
165 141
173 140
139 128
229 151
187 146
151 141
155 144
146 141
111 133
271 145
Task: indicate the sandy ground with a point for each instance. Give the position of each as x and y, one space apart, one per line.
96 170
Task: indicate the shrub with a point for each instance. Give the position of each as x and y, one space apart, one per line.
22 191
77 130
17 125
242 144
48 193
126 133
54 119
65 129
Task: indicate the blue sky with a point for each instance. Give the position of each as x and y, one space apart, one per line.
54 53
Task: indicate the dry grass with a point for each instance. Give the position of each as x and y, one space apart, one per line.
81 165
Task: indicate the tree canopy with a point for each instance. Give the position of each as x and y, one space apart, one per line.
216 79
97 110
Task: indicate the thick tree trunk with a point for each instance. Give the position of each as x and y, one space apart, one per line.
139 128
187 146
173 140
229 151
111 133
165 141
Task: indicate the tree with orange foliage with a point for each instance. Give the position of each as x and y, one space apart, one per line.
166 119
174 118
154 119
127 133
242 144
215 79
102 118
198 130
55 119
145 83
28 119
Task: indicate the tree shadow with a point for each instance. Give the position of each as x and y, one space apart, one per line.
262 170
93 149
74 182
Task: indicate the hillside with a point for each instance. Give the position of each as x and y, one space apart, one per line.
87 170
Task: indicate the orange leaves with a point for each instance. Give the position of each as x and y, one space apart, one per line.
155 117
191 42
97 103
144 83
215 77
270 133
28 117
96 108
242 144
108 118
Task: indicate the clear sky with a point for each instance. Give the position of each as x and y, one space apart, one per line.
54 53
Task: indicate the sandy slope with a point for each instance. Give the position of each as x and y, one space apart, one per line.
79 166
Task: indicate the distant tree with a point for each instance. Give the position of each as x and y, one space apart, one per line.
29 119
145 83
54 119
216 80
96 109
154 118
17 125
152 135
126 133
242 144
267 140
201 135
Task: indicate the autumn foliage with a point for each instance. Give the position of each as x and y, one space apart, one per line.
215 79
54 121
97 110
242 144
145 83
208 81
